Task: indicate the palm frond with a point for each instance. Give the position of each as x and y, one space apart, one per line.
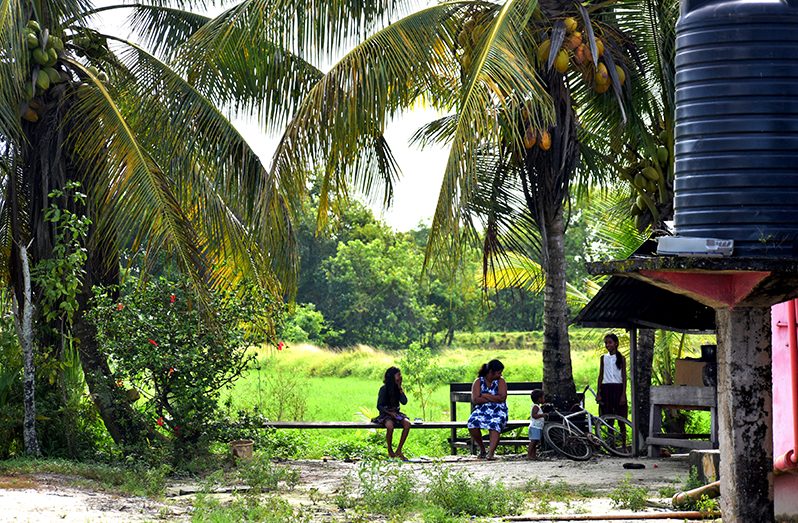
310 30
342 119
206 156
140 196
500 81
164 29
13 65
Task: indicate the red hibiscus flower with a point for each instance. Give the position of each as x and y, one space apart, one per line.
153 342
280 346
172 299
160 422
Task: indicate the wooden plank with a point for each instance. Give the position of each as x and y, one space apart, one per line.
679 442
512 424
683 396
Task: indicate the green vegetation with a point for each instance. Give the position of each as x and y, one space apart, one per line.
169 353
544 493
315 375
628 496
389 490
271 509
134 478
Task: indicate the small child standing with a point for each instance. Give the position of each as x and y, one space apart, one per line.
537 418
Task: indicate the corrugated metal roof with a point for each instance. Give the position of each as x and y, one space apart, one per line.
631 303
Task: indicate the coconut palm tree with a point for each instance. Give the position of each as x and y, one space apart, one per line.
162 167
508 73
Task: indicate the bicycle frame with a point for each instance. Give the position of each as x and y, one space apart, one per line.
569 439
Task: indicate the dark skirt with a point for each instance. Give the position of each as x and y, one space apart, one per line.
611 394
396 417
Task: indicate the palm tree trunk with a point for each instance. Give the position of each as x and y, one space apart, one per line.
558 380
24 323
644 360
121 421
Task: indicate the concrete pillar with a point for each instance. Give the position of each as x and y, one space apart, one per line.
745 412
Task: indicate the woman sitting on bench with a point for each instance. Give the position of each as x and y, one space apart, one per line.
489 396
390 396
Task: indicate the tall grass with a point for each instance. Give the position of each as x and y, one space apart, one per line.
342 385
315 384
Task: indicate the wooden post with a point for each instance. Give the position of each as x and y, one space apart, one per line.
745 411
453 417
633 384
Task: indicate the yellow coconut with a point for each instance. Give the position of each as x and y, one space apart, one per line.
543 51
599 47
570 24
561 62
530 138
545 141
621 74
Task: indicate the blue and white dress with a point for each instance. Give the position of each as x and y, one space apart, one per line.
491 416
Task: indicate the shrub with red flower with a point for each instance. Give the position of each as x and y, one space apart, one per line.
207 344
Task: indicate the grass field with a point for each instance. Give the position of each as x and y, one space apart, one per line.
309 383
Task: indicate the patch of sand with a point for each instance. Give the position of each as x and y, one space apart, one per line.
45 498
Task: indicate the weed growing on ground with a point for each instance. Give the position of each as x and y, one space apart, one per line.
692 480
436 514
270 509
627 496
667 491
706 505
135 479
544 493
459 493
261 475
386 488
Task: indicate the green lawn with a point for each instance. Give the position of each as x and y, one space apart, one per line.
305 382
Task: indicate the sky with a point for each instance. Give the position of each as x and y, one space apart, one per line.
415 194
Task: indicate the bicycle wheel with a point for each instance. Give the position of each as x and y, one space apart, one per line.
566 442
615 434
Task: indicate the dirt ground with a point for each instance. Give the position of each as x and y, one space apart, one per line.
45 497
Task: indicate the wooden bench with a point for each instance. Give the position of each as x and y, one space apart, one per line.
461 393
683 398
454 441
512 424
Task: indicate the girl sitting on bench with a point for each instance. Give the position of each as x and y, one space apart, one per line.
390 396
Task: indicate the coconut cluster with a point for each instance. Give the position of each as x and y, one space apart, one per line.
44 51
469 36
575 53
532 136
649 174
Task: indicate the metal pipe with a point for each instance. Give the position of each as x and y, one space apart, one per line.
691 514
710 490
788 462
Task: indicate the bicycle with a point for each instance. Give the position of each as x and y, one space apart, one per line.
571 441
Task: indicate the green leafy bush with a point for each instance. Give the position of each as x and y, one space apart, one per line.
271 509
627 496
177 356
459 493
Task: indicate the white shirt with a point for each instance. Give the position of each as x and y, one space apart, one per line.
536 423
612 374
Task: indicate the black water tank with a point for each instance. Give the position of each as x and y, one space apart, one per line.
737 124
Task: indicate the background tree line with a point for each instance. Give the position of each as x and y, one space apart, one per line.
362 282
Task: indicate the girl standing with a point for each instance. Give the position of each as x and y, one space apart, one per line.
611 390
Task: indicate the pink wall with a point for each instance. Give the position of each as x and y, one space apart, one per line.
786 485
